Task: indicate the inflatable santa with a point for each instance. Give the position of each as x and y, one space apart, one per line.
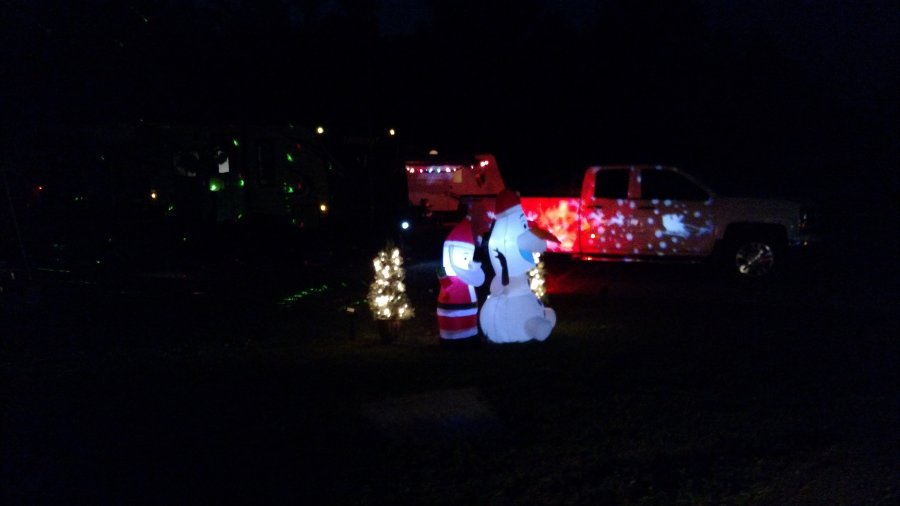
512 312
457 305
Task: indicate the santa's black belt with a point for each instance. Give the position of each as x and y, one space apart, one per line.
467 305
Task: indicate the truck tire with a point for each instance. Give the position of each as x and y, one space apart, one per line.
754 254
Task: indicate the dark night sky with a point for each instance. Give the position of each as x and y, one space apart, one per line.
744 92
850 46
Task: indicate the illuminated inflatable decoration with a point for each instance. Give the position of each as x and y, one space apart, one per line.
457 305
512 312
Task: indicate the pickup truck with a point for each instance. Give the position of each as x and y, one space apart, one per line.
634 213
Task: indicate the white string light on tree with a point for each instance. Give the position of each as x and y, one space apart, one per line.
387 294
536 278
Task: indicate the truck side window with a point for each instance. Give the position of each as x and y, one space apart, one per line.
611 184
665 184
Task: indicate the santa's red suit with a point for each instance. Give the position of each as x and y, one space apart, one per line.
457 309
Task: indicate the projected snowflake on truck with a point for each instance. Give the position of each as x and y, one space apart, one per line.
624 226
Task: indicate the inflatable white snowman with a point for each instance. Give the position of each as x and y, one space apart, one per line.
512 313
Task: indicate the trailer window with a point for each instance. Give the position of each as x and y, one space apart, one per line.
611 184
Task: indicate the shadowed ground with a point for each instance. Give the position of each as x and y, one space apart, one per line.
659 385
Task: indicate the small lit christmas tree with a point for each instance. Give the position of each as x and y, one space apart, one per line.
536 279
387 294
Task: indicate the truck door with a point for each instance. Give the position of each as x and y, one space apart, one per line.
607 216
673 215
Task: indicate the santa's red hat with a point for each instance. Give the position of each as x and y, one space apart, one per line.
506 200
461 235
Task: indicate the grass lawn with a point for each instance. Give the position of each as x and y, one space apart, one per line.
656 387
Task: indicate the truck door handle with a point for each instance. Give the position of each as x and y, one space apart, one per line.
595 207
646 207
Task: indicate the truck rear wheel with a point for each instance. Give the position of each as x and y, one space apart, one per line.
754 259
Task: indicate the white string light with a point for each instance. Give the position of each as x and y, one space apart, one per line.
387 294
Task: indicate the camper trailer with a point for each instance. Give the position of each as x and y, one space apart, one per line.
441 191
